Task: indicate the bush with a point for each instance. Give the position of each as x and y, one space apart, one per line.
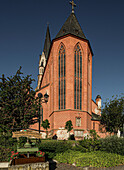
90 159
88 145
4 154
113 144
51 148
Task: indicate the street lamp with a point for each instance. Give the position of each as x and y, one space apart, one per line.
41 100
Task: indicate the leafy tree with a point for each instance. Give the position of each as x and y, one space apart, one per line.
94 135
18 104
46 125
69 125
112 118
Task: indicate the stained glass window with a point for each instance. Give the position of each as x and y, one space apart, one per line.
78 78
62 78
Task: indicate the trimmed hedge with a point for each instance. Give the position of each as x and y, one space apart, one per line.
51 148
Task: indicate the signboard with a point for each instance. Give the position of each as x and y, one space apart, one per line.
26 133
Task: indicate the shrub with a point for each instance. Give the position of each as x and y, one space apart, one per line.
90 159
7 141
88 145
113 144
4 154
51 148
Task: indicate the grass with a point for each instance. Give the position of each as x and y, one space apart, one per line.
90 159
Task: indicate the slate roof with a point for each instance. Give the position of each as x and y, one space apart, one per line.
71 26
95 117
47 43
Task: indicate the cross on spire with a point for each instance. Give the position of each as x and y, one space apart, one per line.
73 5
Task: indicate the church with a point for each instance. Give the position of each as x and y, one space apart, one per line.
65 74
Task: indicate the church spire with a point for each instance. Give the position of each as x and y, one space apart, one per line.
71 25
47 43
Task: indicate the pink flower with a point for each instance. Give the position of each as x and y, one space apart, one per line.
12 151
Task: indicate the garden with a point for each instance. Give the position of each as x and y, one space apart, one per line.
92 152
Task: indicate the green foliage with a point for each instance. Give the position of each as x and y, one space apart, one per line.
51 148
22 141
4 154
69 126
94 135
18 105
7 141
88 145
112 118
113 144
92 159
46 125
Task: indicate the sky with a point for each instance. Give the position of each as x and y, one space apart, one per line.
23 25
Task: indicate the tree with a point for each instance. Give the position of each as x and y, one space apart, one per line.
18 104
112 118
69 125
46 125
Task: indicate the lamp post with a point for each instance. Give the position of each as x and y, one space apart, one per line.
42 99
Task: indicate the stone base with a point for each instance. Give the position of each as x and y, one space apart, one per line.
32 166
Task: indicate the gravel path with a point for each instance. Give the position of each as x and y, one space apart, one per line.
62 166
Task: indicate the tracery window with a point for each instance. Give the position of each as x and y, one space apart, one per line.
78 121
78 78
62 75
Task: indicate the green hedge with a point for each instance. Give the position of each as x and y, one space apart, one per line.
113 144
51 148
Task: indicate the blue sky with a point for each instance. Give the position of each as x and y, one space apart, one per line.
23 26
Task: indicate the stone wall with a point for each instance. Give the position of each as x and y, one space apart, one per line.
34 166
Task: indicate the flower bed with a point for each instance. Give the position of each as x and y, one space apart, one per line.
20 161
17 159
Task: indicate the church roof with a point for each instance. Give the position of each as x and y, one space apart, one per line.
95 117
71 26
47 43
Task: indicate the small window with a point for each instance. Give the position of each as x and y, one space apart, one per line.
42 63
78 121
78 133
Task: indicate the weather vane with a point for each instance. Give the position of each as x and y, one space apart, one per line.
73 5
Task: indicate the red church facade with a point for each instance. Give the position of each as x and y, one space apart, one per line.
67 79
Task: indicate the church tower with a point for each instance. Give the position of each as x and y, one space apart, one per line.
44 56
66 76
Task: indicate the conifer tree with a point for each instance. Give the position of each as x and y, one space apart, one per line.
46 125
69 125
18 104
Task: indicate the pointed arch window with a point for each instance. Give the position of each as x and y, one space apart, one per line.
78 78
62 75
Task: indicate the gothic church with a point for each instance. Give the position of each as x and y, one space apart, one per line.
65 74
